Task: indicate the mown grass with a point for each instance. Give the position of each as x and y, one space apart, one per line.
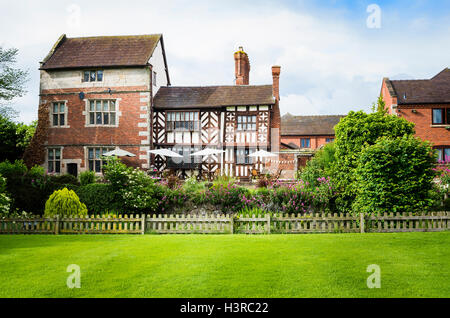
412 265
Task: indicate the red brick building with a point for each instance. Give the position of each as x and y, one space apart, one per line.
96 94
425 103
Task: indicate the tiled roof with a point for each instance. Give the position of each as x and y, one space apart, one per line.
309 125
431 91
101 51
173 97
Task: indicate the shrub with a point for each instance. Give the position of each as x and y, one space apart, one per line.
36 172
64 179
229 197
137 191
9 169
99 198
4 199
353 133
394 175
319 166
263 182
64 203
87 177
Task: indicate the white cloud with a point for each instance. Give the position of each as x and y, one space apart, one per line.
329 65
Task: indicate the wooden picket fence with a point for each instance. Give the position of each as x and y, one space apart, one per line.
227 224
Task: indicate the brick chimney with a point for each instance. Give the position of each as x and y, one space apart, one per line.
242 67
276 82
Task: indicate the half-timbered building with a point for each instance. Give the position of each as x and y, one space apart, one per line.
238 120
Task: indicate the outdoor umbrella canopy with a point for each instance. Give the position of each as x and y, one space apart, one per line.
119 153
207 152
262 154
165 153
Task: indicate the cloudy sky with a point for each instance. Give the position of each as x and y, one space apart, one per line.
333 53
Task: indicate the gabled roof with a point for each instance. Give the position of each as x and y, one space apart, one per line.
309 125
430 91
174 97
101 51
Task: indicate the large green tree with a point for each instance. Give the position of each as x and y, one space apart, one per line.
354 132
12 81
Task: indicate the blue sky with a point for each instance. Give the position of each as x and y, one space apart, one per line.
331 61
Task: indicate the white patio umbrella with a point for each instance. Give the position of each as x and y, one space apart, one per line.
262 154
207 152
119 153
165 153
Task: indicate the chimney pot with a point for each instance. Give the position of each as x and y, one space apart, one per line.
242 67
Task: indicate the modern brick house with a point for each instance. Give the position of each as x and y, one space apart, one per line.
96 94
301 136
425 103
238 119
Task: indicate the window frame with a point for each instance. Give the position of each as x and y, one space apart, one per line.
102 111
189 125
56 162
154 78
443 116
89 74
94 159
443 149
304 139
59 113
241 124
247 152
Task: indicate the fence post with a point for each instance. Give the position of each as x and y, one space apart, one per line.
361 223
232 224
268 223
57 225
143 224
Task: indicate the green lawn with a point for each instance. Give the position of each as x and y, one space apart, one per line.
412 265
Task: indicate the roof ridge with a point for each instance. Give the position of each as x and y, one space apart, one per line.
114 36
211 86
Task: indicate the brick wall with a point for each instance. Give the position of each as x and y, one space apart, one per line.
422 117
132 133
315 141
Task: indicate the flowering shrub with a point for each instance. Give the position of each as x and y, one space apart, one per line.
4 199
229 197
302 197
137 192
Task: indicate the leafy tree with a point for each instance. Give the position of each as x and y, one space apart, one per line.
354 132
379 106
394 175
14 138
12 80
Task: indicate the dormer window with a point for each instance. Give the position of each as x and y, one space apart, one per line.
93 76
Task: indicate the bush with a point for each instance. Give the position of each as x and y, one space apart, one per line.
9 169
137 191
394 175
64 179
354 132
64 203
319 166
87 177
4 199
99 198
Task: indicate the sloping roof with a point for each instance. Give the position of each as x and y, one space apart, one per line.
309 125
101 51
431 91
174 97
